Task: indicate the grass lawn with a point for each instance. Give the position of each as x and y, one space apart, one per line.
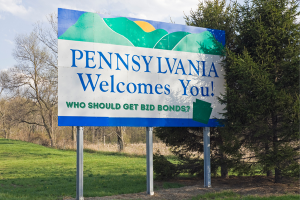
229 195
30 171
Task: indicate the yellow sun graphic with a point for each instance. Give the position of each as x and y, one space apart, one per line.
145 26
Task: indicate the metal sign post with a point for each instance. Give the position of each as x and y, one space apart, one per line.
149 149
79 174
206 147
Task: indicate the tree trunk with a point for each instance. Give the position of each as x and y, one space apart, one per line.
31 131
5 134
277 175
52 127
119 131
93 134
224 168
74 136
29 134
275 146
269 172
51 142
120 143
8 133
224 171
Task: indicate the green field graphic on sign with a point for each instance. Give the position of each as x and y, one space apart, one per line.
90 27
90 23
134 33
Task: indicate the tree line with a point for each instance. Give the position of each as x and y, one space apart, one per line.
16 124
261 63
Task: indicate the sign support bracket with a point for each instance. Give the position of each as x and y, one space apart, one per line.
206 147
149 152
79 163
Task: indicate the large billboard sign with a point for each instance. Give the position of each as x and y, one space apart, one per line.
121 71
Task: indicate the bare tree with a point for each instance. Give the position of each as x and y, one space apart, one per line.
34 77
120 131
48 36
8 119
73 136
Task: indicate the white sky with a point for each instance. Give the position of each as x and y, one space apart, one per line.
19 16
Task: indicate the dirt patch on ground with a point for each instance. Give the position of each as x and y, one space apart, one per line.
256 185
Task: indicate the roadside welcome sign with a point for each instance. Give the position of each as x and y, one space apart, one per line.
122 71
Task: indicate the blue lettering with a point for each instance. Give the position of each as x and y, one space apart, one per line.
112 83
203 92
197 91
157 87
171 69
184 86
167 89
128 87
103 83
159 66
191 64
147 63
104 58
136 63
182 68
121 59
73 56
214 70
203 68
118 87
84 86
145 88
88 59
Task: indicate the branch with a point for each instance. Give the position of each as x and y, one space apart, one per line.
32 123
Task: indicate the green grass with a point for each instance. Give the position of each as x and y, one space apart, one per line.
253 171
229 195
30 171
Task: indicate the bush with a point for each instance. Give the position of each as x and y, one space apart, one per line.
163 168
